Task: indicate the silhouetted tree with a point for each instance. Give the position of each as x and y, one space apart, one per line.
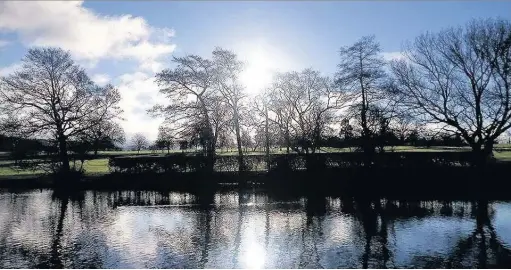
105 135
52 97
183 145
404 127
227 72
361 73
308 102
461 78
193 77
221 119
139 142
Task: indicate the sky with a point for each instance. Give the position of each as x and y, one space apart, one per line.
126 42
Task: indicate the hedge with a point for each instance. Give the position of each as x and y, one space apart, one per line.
191 163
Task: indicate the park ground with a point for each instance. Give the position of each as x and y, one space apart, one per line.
99 166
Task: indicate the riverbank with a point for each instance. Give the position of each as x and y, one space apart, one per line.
415 183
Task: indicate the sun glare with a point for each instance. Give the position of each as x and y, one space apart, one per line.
257 74
254 256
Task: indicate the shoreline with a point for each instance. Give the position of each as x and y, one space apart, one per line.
448 182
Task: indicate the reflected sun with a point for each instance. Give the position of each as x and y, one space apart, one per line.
254 256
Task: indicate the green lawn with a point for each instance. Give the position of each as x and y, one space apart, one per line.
503 156
94 166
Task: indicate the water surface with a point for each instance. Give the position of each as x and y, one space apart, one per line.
247 230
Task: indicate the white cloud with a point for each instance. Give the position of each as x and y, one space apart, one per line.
388 56
100 79
4 43
87 35
139 93
91 37
4 71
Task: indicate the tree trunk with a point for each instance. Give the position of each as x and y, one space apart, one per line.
241 165
211 141
288 141
64 158
267 140
96 146
483 152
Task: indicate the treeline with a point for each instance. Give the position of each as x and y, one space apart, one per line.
454 84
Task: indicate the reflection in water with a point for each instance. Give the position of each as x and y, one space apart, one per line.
130 229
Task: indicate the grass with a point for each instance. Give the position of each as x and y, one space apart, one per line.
503 156
96 166
93 166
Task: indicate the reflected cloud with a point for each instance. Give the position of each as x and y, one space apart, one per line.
247 230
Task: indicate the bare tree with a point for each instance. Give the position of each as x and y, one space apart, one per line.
405 125
228 69
189 88
106 134
165 139
53 98
460 79
221 119
309 101
276 112
361 73
246 139
139 142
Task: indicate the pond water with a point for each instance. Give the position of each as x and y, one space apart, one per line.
92 229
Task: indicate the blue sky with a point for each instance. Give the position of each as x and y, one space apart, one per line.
273 35
311 31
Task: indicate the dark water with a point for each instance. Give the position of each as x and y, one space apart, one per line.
249 230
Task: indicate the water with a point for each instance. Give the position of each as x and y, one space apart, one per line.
249 230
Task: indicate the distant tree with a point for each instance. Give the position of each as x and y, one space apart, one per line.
403 126
413 137
183 145
139 142
308 101
165 138
53 98
105 135
460 78
346 133
246 139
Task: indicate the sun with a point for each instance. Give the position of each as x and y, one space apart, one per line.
258 71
